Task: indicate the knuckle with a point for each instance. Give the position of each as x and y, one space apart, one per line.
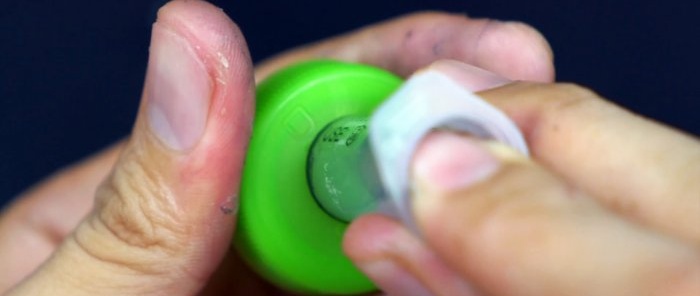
438 18
568 99
138 206
563 93
561 105
520 209
571 94
135 216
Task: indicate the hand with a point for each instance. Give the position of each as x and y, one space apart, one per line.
608 204
145 215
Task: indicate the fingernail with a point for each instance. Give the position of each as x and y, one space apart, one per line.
392 279
473 78
177 89
446 161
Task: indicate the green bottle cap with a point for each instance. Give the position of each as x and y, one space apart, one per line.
282 230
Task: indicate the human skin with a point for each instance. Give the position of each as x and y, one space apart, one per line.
167 234
491 221
607 204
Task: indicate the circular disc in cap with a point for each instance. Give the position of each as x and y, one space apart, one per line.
282 232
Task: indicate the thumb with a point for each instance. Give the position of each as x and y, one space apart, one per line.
511 227
162 220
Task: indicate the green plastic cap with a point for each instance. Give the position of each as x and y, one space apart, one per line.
342 175
282 231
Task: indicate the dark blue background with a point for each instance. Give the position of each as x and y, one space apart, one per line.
71 71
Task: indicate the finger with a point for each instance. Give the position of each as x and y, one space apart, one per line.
470 77
371 239
641 169
397 262
33 225
158 225
406 44
512 228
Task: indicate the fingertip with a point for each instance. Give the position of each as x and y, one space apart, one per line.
194 14
221 47
398 262
369 236
211 32
218 46
516 51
